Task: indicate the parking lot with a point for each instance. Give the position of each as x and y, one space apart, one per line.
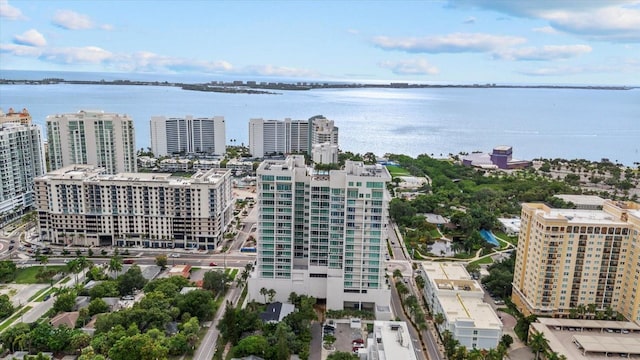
345 337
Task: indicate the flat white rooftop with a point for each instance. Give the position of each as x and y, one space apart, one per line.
391 340
580 216
459 307
591 200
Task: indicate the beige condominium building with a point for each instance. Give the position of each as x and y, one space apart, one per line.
106 140
82 205
570 257
323 233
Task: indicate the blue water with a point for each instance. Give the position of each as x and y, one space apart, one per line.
489 237
549 123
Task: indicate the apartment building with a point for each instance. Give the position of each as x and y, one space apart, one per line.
23 117
21 160
323 233
390 340
187 135
572 257
82 205
449 290
273 137
96 138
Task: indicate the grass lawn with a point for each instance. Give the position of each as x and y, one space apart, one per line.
28 275
14 317
397 171
512 239
485 260
233 274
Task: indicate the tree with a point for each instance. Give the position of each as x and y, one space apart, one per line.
215 281
198 303
397 273
264 292
79 341
98 306
438 319
8 270
506 340
140 346
538 343
161 260
272 294
6 308
115 265
131 280
73 266
251 345
342 355
65 301
108 288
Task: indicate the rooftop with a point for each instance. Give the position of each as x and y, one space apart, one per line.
591 200
391 340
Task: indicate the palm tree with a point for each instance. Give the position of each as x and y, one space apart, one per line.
73 266
115 265
264 292
552 355
397 273
438 319
538 343
272 294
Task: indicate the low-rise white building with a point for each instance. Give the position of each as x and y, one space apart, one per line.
511 226
450 291
390 340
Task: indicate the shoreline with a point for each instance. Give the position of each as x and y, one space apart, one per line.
261 88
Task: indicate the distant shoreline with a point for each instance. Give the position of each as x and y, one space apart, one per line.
267 88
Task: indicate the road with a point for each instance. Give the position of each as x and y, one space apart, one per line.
207 347
396 306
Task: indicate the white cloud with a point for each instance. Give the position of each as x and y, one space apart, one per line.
611 20
451 43
10 12
30 38
410 67
71 20
353 31
609 23
144 61
20 50
545 30
549 52
77 55
470 20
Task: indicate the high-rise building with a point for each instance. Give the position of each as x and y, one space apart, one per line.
92 137
21 160
187 135
323 233
82 205
12 116
274 137
568 257
322 131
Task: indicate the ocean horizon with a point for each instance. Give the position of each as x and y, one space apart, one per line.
537 123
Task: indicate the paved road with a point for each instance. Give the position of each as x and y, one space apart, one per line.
208 344
397 310
315 349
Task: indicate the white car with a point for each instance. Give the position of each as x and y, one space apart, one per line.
176 255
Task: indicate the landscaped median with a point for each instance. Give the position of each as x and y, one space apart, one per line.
13 318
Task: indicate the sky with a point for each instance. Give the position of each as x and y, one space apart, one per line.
584 42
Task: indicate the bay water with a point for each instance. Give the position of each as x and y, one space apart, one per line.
537 122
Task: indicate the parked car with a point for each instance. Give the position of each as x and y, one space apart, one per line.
128 261
175 255
213 264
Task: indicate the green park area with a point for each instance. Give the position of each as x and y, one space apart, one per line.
33 274
397 171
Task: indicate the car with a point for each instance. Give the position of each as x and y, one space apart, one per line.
10 247
625 331
128 261
47 297
66 261
175 255
12 242
213 264
128 297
